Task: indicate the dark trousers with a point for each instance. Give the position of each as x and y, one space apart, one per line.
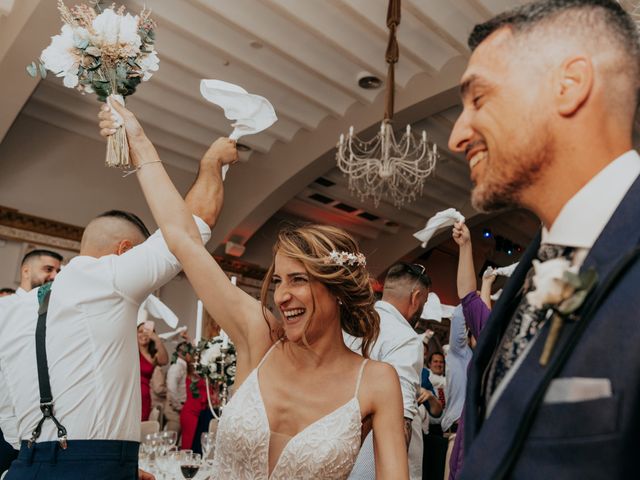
434 457
7 454
82 460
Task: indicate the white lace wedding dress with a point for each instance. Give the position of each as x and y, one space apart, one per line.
326 449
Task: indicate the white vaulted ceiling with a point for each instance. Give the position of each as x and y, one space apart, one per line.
305 57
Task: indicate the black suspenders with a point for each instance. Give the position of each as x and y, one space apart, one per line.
46 399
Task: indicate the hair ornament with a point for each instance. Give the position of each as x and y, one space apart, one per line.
343 258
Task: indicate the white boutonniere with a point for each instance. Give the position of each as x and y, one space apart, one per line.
561 287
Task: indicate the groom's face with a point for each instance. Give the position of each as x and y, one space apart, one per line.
503 130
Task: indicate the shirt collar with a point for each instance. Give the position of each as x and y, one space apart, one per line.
393 311
585 215
21 292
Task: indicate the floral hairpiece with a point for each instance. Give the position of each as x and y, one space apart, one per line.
345 258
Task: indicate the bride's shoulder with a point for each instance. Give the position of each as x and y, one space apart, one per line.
379 378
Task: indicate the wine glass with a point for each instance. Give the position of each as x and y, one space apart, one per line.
190 464
208 442
170 437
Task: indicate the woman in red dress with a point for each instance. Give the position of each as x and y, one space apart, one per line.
193 406
152 353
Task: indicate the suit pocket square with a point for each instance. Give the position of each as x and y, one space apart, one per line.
577 389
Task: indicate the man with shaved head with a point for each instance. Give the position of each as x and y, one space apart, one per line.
549 99
87 422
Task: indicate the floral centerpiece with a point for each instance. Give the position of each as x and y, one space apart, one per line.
102 51
215 361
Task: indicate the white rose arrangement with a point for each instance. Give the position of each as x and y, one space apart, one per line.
208 363
102 51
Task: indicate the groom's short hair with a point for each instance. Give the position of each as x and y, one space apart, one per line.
129 217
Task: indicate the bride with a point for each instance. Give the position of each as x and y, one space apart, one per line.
303 400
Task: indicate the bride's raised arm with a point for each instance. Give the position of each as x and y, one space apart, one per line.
239 314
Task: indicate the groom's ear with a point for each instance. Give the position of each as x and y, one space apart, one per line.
574 84
124 246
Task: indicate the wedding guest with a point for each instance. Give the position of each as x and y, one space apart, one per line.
6 291
90 346
176 380
296 379
475 313
151 353
563 150
196 401
405 291
37 268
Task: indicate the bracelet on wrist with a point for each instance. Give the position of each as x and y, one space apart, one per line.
126 174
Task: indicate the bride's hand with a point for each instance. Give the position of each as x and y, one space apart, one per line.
109 121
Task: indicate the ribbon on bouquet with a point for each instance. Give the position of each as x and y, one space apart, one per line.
251 113
445 218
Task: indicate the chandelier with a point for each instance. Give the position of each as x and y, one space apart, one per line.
386 166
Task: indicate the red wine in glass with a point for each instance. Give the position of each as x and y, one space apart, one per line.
189 471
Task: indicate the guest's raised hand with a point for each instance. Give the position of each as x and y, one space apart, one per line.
223 151
461 234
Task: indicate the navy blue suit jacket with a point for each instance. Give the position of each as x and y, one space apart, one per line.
524 438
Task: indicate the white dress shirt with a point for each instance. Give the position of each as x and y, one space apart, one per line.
176 384
400 346
91 343
580 223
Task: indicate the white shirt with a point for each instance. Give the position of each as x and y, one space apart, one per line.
176 384
400 346
92 347
580 223
21 292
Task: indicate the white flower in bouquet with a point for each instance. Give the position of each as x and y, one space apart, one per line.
149 64
60 57
111 29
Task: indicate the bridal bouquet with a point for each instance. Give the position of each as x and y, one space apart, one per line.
102 51
209 363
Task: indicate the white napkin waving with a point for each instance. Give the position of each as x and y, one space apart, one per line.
251 113
175 333
154 307
440 220
502 271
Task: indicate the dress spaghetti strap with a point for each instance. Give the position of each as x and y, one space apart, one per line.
364 362
267 354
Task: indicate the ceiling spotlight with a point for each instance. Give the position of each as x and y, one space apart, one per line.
486 233
368 81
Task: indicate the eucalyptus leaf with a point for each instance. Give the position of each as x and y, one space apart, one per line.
43 70
572 303
93 51
95 66
573 279
82 43
32 69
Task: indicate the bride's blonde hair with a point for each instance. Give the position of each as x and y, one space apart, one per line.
350 282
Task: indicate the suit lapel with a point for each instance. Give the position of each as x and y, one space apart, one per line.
620 236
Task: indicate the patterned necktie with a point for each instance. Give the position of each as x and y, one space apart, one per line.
524 325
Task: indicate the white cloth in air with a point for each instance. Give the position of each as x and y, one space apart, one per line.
502 271
153 306
442 219
92 348
251 113
326 449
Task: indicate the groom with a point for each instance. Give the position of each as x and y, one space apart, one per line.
549 99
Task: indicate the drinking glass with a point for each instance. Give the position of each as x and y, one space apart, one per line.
190 464
208 442
170 437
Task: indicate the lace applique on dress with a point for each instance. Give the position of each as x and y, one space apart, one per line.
326 449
